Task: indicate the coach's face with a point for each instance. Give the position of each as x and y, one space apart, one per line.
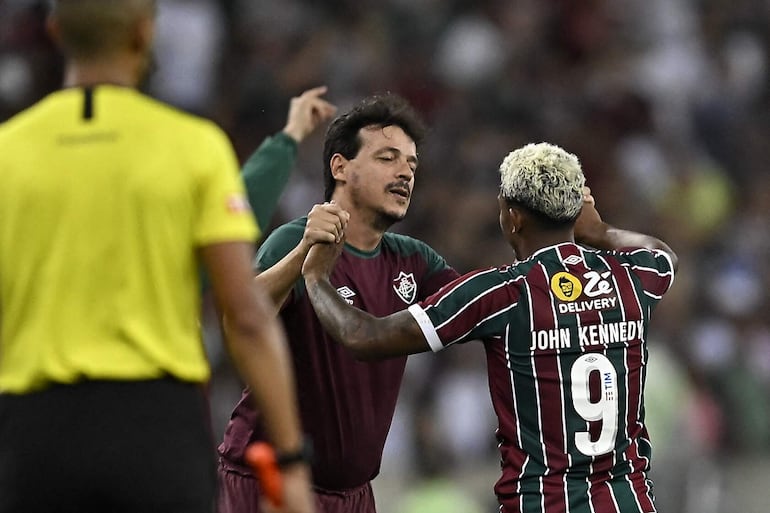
379 180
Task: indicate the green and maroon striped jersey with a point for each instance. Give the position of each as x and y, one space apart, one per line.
565 333
346 406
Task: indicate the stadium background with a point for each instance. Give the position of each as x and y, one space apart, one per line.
667 104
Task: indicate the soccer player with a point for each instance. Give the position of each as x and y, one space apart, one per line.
346 406
109 202
565 333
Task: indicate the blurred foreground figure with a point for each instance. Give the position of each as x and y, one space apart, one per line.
109 204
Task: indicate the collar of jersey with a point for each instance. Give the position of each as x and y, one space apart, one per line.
548 248
361 253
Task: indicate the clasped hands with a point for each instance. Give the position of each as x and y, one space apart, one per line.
324 237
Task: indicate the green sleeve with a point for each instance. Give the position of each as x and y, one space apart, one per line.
266 174
279 243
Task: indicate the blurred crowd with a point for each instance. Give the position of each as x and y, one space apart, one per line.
665 102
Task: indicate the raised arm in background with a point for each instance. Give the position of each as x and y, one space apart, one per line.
267 170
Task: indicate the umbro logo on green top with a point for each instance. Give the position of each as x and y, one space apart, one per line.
406 287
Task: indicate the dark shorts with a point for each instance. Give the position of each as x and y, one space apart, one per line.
115 447
238 493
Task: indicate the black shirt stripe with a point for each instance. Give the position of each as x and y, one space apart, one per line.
88 103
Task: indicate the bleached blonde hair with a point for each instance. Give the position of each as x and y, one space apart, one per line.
544 178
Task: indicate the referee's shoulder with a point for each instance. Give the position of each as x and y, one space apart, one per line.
20 119
181 119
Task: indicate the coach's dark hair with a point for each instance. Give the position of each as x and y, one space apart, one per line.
380 110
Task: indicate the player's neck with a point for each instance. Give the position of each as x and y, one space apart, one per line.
121 70
526 246
365 227
362 235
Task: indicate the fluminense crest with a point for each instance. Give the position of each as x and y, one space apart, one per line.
406 287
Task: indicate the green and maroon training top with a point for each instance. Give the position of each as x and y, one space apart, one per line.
346 405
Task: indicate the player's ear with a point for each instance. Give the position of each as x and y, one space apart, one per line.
506 218
337 165
143 35
518 218
53 29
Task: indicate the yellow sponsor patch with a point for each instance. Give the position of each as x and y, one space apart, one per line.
566 287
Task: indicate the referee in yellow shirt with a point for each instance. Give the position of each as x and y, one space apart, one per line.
109 203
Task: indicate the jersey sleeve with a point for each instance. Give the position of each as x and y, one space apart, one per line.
223 212
276 246
653 268
438 273
266 174
474 306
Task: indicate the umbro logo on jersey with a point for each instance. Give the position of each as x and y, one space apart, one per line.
572 260
406 287
346 294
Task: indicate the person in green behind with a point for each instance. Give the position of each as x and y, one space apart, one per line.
109 203
266 172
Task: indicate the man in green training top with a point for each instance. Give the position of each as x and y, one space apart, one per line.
369 165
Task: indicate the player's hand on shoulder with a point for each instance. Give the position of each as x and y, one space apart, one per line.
589 224
306 112
326 222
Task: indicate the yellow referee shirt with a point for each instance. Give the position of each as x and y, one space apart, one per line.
105 194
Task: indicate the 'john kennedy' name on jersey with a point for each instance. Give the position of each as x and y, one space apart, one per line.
593 335
593 292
